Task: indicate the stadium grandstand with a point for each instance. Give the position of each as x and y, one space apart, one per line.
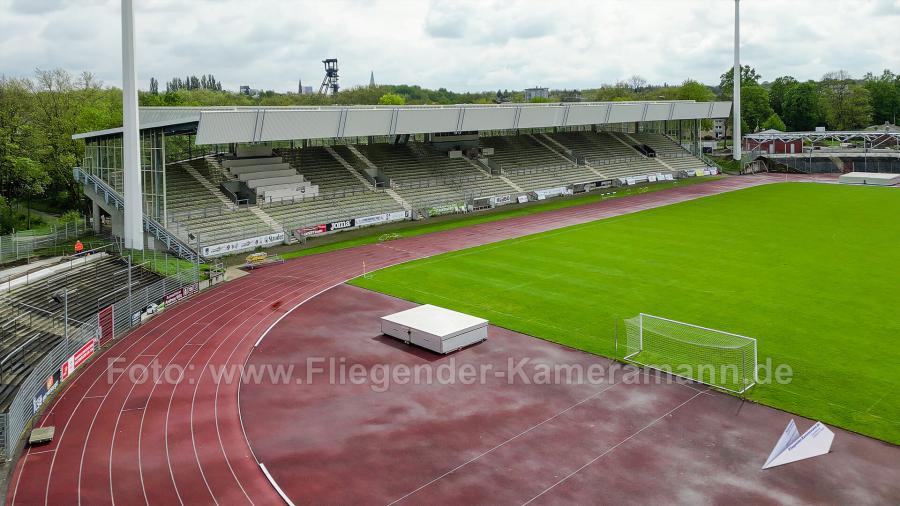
221 180
42 310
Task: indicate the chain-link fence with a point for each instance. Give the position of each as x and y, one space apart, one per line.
23 244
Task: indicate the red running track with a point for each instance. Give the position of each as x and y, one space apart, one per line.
361 426
126 441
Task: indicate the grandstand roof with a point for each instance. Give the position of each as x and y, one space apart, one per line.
220 125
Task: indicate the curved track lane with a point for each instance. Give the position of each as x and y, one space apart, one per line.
126 439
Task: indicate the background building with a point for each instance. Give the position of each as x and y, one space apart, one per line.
531 93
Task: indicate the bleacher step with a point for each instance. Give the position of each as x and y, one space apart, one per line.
656 159
206 184
555 152
394 195
586 165
345 164
501 177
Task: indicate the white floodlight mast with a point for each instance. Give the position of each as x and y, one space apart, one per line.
736 130
131 155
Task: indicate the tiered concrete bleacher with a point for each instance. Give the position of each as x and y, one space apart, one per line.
194 209
32 321
671 153
184 193
341 195
608 155
270 178
533 166
318 166
423 177
427 177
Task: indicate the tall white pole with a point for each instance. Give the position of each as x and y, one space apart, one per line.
131 156
736 131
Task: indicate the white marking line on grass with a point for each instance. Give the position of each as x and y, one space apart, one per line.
608 451
526 431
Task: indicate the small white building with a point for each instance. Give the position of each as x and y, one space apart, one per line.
531 93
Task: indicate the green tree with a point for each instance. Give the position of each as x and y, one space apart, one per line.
774 123
777 90
749 76
692 90
749 80
755 108
802 109
885 93
846 105
391 99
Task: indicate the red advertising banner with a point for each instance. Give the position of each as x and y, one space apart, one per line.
308 231
179 294
106 324
80 356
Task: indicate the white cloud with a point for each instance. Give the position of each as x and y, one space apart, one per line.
460 44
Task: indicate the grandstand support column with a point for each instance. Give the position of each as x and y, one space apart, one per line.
95 216
736 106
695 141
131 156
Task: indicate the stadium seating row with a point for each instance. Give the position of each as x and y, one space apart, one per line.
420 176
33 317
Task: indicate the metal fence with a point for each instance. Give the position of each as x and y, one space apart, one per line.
511 169
331 194
203 212
126 314
23 244
24 405
455 180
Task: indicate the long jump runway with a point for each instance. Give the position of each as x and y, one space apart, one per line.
122 438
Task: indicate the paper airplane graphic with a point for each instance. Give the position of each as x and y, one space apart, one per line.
791 446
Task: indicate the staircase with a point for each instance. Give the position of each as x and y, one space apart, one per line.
206 184
635 141
501 177
151 226
345 164
393 194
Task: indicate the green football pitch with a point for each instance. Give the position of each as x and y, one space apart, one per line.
810 270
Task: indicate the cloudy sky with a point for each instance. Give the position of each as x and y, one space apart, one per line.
457 44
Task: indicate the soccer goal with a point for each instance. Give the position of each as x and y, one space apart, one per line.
712 357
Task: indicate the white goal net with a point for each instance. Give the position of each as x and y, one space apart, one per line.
713 357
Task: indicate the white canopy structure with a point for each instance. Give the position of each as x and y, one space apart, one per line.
223 125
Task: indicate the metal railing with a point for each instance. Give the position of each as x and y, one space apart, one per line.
524 171
239 202
17 246
203 212
337 193
126 313
336 213
172 242
615 161
429 182
23 406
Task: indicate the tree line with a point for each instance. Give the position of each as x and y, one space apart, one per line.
837 101
38 115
